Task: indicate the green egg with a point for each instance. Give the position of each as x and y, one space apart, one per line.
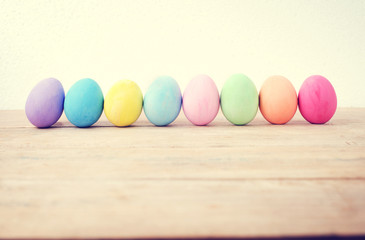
239 99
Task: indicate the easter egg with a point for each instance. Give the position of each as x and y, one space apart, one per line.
239 99
162 101
317 100
278 100
44 104
84 103
123 103
201 100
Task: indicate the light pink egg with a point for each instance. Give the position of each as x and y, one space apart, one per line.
317 100
201 100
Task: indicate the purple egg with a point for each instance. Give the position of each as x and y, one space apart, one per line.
44 105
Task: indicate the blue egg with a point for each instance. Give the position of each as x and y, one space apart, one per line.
162 101
84 103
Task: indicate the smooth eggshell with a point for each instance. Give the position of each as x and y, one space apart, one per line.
84 103
44 104
317 100
239 99
278 100
162 101
123 103
201 100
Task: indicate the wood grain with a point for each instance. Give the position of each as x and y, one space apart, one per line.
221 180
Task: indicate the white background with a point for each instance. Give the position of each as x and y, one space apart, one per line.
140 40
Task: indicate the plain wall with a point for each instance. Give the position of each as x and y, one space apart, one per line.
140 40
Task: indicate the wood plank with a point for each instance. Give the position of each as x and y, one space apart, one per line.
297 150
259 180
87 208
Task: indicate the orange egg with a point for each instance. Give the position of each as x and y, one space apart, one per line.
278 100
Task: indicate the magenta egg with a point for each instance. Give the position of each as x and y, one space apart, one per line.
317 100
201 100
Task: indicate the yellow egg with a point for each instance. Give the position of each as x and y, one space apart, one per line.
123 103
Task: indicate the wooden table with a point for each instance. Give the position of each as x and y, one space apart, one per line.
221 180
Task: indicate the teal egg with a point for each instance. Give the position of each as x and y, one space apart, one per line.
162 101
84 103
239 99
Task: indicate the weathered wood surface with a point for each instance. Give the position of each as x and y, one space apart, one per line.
182 181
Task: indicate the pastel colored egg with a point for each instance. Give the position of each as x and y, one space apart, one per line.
123 103
278 100
44 104
84 103
162 101
201 100
317 100
239 99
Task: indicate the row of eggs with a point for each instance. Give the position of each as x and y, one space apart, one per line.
239 101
